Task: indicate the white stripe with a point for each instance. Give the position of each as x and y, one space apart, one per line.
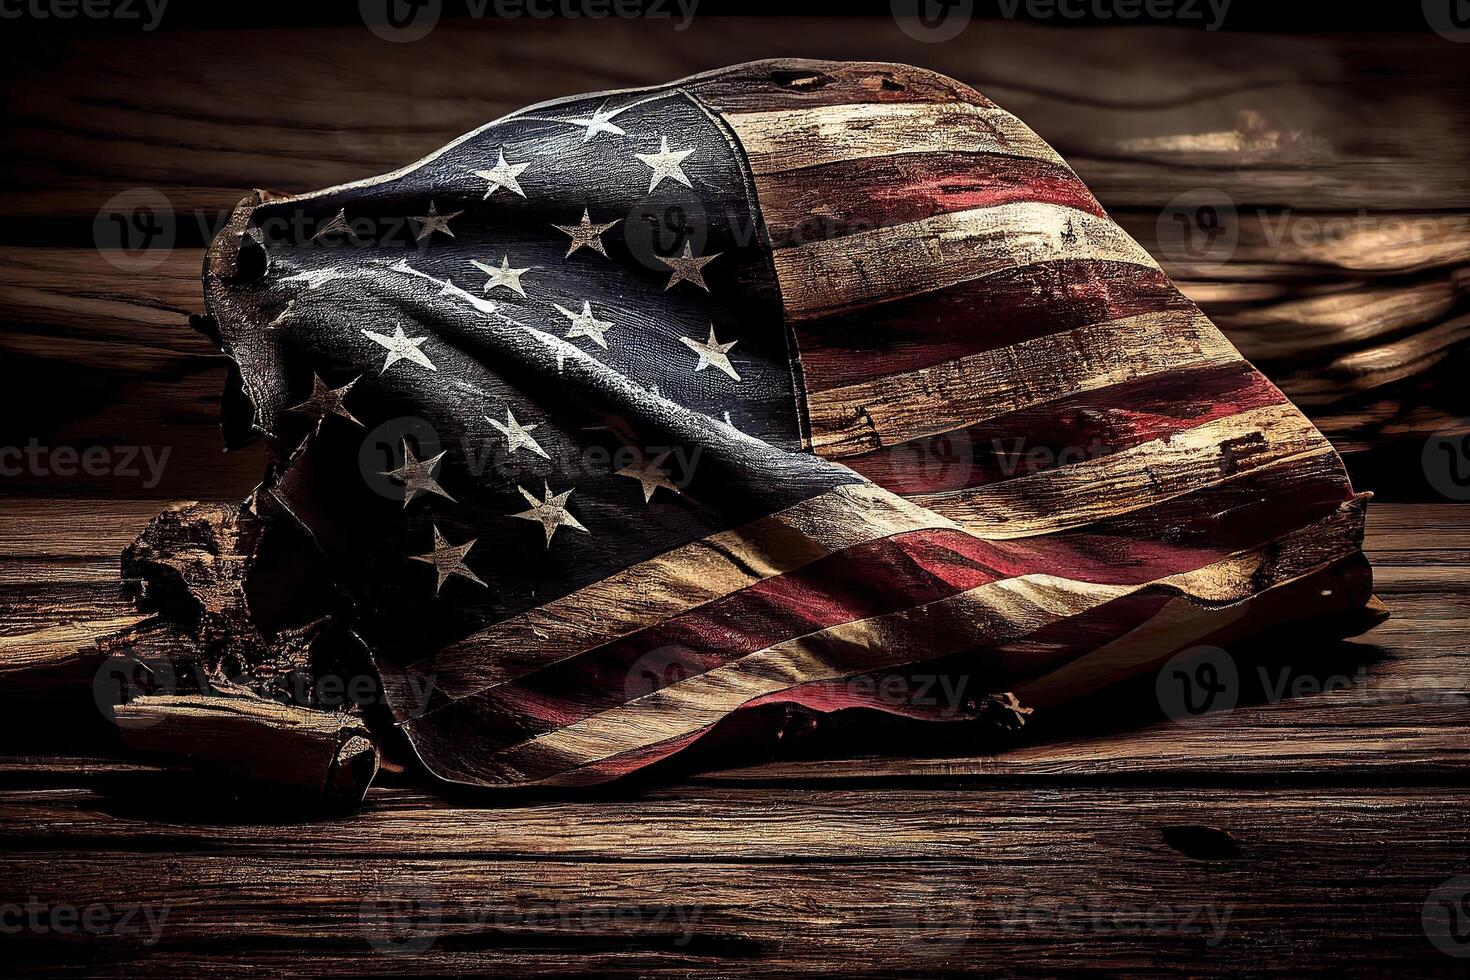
944 250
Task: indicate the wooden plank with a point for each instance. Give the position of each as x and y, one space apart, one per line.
81 306
779 824
71 529
778 882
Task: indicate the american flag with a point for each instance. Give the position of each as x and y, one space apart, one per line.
626 412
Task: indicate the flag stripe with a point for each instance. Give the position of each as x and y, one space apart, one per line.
984 314
992 612
1132 479
828 202
1317 593
1090 425
672 583
944 250
855 419
914 568
790 139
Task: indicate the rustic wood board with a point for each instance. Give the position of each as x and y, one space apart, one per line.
1142 114
770 881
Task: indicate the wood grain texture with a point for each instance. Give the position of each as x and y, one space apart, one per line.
817 881
841 856
1142 115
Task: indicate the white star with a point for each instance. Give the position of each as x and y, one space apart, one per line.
326 401
587 234
338 222
517 436
687 267
417 475
551 513
665 163
712 353
448 559
650 474
503 275
502 175
584 324
599 122
434 221
400 347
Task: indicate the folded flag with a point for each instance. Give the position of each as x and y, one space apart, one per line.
626 412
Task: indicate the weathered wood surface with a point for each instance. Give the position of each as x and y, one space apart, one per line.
770 882
1304 834
1301 122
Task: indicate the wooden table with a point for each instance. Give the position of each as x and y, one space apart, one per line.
1304 833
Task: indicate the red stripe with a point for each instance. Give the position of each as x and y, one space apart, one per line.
984 314
872 579
1087 426
836 199
1242 513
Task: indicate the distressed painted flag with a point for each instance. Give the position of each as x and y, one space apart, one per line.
793 382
